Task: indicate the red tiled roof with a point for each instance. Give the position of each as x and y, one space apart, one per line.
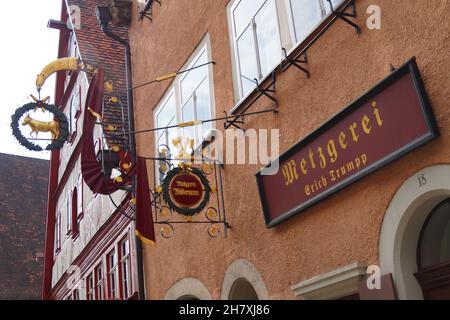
23 204
101 51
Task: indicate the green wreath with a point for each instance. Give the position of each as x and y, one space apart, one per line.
186 211
59 115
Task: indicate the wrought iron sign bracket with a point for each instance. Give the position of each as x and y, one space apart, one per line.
233 122
146 12
213 215
296 62
344 16
268 92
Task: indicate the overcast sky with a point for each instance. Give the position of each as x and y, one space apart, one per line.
27 47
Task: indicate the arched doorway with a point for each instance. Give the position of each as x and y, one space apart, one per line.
433 253
243 282
406 220
188 297
188 289
242 290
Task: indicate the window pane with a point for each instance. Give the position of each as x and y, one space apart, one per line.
171 134
112 281
112 260
188 113
203 95
335 3
74 107
194 77
167 113
244 12
268 37
125 248
247 60
306 15
125 280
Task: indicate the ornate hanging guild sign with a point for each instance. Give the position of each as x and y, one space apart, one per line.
186 190
59 127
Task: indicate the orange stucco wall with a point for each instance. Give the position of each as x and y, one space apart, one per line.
344 228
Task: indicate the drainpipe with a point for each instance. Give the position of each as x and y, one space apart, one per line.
132 140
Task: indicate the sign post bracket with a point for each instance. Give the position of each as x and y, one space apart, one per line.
344 16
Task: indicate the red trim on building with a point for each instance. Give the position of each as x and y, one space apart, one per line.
54 167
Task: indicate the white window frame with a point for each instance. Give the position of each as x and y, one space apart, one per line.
235 54
326 12
90 286
125 278
69 226
175 90
58 233
99 283
171 93
112 275
287 35
80 198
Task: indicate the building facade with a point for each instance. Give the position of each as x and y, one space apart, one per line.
22 226
392 223
90 243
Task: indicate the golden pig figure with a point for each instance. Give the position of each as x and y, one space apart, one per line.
42 126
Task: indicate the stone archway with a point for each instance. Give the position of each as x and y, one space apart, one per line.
403 222
188 289
243 281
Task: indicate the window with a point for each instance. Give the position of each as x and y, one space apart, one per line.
99 289
112 275
69 213
167 116
77 206
260 29
74 215
74 112
195 96
306 15
256 40
58 232
76 294
189 99
80 195
90 287
125 268
72 46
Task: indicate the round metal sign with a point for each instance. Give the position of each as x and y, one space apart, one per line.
186 191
